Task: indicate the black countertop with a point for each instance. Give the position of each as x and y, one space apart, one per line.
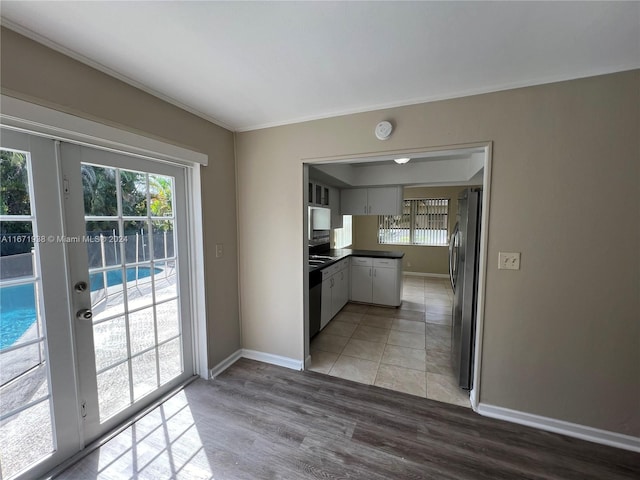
342 253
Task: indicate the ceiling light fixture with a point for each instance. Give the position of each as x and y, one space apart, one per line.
400 161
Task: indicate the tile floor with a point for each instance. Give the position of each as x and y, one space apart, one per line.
404 349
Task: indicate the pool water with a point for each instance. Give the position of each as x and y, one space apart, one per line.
18 303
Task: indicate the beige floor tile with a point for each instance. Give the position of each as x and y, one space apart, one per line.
323 361
409 315
371 334
413 299
439 360
438 336
410 290
382 311
438 309
376 321
349 317
433 303
408 325
342 329
412 305
438 318
328 343
406 339
412 358
444 389
402 380
355 369
355 308
363 349
413 281
431 296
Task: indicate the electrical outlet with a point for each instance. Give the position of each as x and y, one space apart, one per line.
219 250
508 260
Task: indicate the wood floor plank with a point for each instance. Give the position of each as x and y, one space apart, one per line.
258 421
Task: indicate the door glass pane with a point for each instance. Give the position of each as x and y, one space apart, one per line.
133 186
165 280
128 322
103 243
114 392
142 329
162 239
110 342
25 438
26 433
168 320
137 247
161 194
145 377
107 293
170 360
100 192
139 286
14 172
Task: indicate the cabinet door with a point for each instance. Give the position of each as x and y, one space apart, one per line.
326 312
384 286
334 205
340 292
385 201
361 283
353 201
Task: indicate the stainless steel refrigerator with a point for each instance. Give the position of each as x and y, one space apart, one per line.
464 249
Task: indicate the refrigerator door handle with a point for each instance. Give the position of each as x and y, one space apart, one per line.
452 242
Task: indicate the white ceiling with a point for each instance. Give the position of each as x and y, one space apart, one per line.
248 65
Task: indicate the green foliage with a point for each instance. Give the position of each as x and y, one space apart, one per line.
14 183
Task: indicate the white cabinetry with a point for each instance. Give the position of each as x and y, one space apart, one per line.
371 201
334 205
335 290
376 280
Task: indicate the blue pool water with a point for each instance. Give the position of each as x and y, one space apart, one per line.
18 305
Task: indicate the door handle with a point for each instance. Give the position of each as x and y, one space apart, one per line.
84 314
80 287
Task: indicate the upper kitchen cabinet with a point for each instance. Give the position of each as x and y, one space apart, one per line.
318 194
334 205
371 201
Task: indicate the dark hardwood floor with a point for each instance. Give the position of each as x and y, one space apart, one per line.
258 421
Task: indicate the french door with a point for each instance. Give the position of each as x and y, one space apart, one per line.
94 297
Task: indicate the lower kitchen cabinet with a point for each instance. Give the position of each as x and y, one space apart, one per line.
376 280
335 290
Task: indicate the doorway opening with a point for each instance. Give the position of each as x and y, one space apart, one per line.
379 345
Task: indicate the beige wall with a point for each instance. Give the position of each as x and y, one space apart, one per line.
32 72
562 335
418 259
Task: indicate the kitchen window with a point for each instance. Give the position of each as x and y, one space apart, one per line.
423 221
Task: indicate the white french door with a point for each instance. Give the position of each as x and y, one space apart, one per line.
94 295
127 244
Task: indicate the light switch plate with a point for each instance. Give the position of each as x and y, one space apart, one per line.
219 250
508 260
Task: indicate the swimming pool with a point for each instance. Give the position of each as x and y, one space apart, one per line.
18 304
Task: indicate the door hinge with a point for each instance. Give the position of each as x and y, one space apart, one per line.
83 409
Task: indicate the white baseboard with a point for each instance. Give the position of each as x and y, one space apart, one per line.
583 432
420 274
226 363
259 356
273 359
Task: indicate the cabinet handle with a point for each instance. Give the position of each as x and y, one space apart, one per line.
370 271
365 209
369 208
374 272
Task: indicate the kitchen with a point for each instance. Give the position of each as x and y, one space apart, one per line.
380 309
